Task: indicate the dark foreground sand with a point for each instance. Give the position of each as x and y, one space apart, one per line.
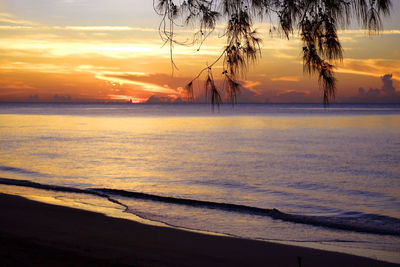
38 234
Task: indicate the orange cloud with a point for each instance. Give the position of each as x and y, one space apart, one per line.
150 87
371 67
42 68
286 78
120 62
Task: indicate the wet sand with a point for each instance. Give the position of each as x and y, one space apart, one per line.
38 234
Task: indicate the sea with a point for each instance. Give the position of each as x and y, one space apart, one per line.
300 174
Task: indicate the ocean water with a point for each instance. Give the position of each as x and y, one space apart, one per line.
299 174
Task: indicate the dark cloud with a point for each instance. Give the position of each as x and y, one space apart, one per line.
387 94
153 100
160 99
179 100
61 98
388 87
248 96
34 97
293 97
373 93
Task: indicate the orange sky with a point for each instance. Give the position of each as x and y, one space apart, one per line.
85 51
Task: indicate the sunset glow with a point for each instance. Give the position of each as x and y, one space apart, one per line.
92 51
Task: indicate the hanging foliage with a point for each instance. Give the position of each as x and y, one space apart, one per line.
316 21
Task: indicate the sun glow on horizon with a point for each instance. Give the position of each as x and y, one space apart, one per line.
89 57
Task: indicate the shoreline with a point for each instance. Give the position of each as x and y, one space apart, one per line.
35 233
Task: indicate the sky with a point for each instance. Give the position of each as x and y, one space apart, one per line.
111 51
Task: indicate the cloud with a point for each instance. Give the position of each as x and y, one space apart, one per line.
293 96
16 85
286 78
387 94
251 85
162 86
7 15
388 87
86 28
16 21
132 79
145 86
34 97
249 93
43 68
11 19
63 46
56 48
160 99
104 28
361 32
61 98
370 67
13 27
109 71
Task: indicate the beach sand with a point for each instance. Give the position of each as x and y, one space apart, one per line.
38 234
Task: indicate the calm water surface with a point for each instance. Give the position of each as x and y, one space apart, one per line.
332 173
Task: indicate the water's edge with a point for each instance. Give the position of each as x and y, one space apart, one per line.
124 214
342 223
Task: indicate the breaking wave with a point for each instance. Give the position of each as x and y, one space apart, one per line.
351 221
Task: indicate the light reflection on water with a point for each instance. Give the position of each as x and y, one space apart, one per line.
318 164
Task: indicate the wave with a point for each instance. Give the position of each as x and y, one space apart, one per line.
19 170
352 221
367 223
58 188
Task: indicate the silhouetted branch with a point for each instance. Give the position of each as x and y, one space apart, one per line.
317 22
